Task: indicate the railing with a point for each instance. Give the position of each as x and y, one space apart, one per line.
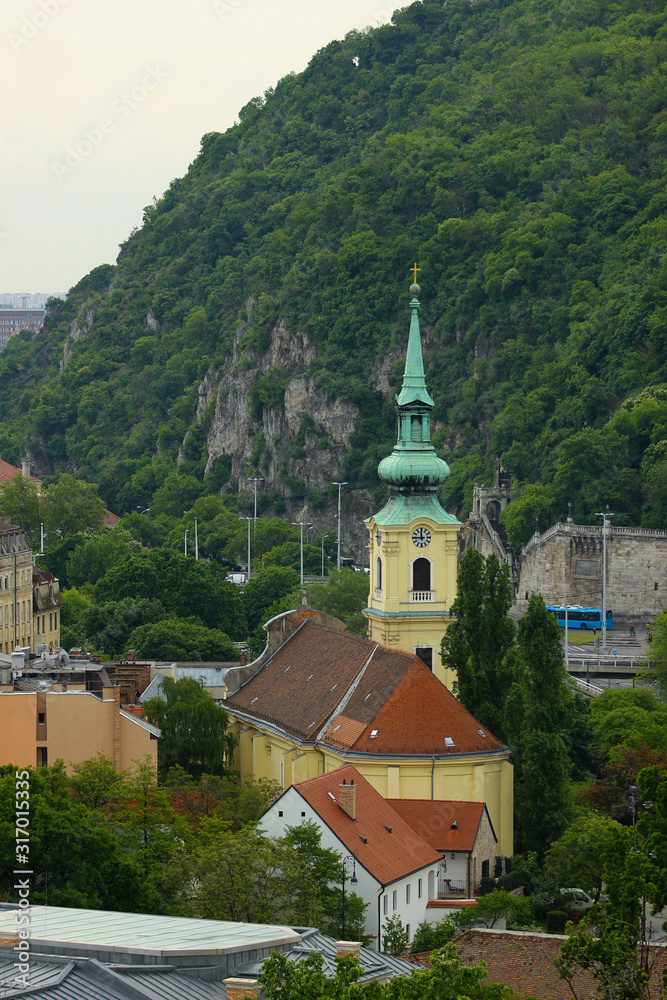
421 596
448 887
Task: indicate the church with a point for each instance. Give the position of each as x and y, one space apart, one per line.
320 697
413 541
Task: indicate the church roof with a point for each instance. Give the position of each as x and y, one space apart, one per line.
379 839
329 686
404 508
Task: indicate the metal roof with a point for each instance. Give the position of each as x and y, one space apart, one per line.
142 933
373 965
86 979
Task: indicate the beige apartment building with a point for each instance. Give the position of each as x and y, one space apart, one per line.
40 727
15 587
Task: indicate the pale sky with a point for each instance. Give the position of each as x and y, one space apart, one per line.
106 102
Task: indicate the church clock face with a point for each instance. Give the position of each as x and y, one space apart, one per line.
421 537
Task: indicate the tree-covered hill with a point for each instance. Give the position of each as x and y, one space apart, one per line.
516 150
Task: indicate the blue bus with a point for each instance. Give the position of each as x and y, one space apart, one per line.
578 617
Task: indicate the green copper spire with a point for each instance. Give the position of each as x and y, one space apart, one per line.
414 384
413 467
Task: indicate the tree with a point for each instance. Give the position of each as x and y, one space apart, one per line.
268 586
343 595
609 791
71 505
182 639
19 499
394 935
496 904
108 626
576 858
655 661
428 937
537 709
97 784
194 728
617 956
91 560
479 637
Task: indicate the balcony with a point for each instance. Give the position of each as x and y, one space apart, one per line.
421 596
451 888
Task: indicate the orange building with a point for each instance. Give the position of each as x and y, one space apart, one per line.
39 727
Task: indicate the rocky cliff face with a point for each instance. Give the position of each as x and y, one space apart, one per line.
302 437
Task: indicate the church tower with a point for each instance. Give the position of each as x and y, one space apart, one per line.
413 543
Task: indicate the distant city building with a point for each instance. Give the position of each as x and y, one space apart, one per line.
13 320
28 300
16 594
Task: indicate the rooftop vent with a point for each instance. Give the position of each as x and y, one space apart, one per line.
374 733
335 686
336 728
254 700
364 839
309 676
287 668
455 825
387 828
481 732
331 796
368 696
449 742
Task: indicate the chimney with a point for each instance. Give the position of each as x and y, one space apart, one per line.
25 468
239 989
347 798
344 948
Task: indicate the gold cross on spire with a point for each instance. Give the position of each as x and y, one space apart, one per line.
414 270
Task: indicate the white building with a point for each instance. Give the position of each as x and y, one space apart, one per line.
396 869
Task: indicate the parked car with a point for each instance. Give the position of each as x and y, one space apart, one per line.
578 900
237 578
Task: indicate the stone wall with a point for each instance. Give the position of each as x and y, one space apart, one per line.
564 564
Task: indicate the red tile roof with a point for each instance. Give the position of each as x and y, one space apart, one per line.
432 819
7 473
392 849
328 685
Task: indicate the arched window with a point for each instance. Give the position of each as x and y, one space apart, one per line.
421 574
378 574
416 434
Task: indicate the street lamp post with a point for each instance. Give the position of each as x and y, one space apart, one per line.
302 525
340 487
250 521
323 537
604 515
185 543
254 481
196 543
363 545
353 880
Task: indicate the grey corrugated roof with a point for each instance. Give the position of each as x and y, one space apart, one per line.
373 965
212 676
86 979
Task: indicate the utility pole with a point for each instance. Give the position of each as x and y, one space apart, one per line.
604 515
340 487
302 525
254 481
323 537
196 543
185 543
250 521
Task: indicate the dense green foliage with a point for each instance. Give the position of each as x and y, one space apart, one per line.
516 149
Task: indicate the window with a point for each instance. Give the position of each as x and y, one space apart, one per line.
407 894
425 654
378 573
394 900
419 888
485 869
51 621
55 618
41 718
280 812
421 574
385 901
407 931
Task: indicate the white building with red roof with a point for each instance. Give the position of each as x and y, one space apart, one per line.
396 869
